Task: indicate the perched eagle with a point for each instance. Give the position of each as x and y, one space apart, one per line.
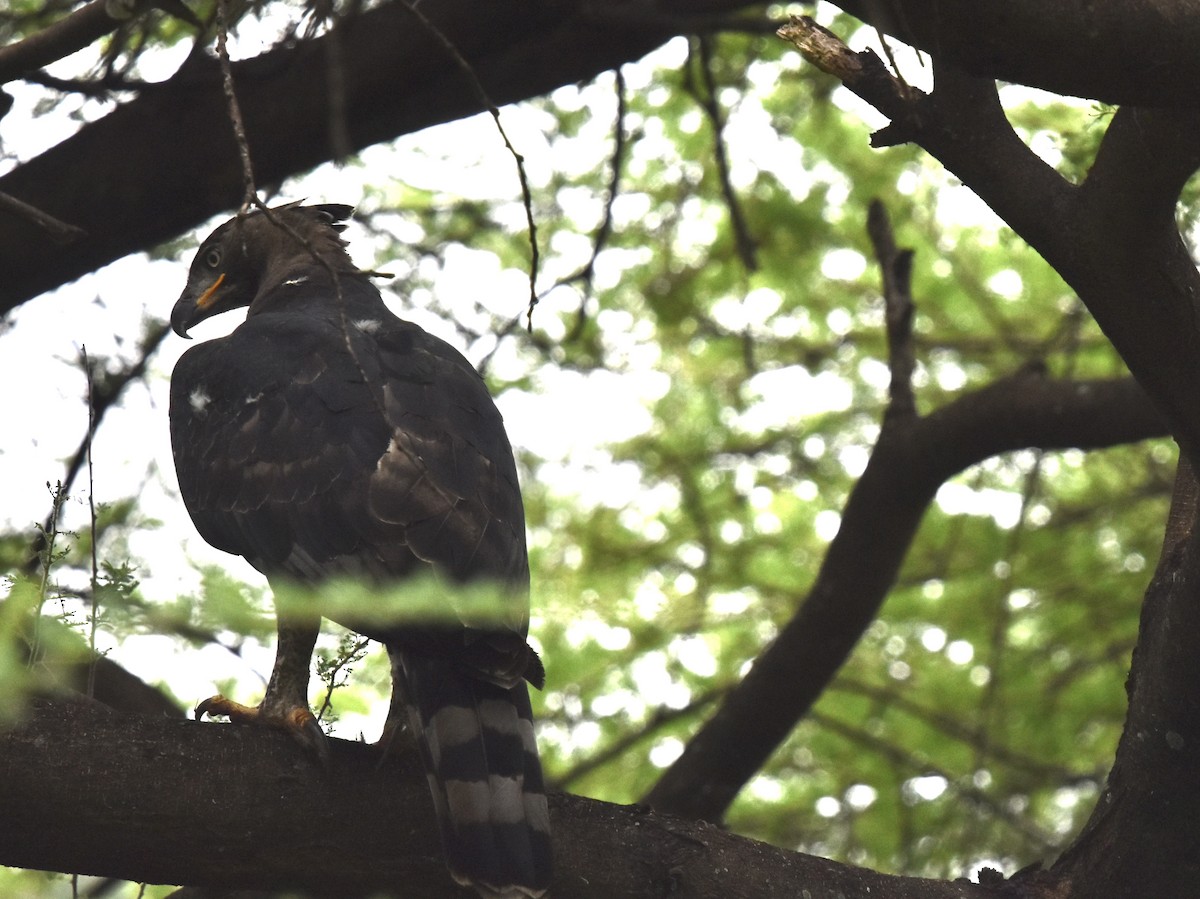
326 437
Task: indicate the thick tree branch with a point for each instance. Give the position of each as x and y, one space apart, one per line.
912 458
1115 240
165 801
895 265
1141 839
1137 51
130 182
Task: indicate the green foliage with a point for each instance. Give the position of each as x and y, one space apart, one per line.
978 716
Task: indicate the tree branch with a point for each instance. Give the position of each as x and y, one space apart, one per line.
895 266
130 182
912 458
163 801
1146 813
1113 239
1136 53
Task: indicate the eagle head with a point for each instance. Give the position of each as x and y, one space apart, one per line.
251 254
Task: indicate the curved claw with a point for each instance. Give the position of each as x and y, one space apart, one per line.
298 721
303 725
234 711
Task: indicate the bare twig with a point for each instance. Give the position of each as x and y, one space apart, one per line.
104 396
59 231
586 273
660 719
249 190
864 73
486 102
705 94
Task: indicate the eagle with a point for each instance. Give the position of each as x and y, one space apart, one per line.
327 438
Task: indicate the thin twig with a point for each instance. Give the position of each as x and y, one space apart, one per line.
706 96
604 231
61 232
661 718
95 605
249 191
486 102
586 272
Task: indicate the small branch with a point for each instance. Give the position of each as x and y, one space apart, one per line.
88 87
660 719
57 40
864 73
104 396
76 30
60 232
705 94
896 267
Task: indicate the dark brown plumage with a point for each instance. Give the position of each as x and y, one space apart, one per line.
326 437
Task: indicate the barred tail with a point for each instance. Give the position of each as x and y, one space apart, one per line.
477 742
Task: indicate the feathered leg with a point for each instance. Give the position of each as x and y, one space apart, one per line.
480 755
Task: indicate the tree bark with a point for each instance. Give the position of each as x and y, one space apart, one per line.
1142 839
154 799
1136 51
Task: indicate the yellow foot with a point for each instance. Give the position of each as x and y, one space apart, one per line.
234 711
298 721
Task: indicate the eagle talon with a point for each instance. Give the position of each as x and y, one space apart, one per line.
304 727
299 722
227 708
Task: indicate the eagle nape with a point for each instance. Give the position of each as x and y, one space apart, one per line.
326 439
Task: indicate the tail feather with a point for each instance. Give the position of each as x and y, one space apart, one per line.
480 755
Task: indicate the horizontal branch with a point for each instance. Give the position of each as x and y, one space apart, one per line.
158 800
130 181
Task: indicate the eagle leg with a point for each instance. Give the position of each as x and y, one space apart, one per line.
285 704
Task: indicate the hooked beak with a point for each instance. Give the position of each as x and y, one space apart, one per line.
189 312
